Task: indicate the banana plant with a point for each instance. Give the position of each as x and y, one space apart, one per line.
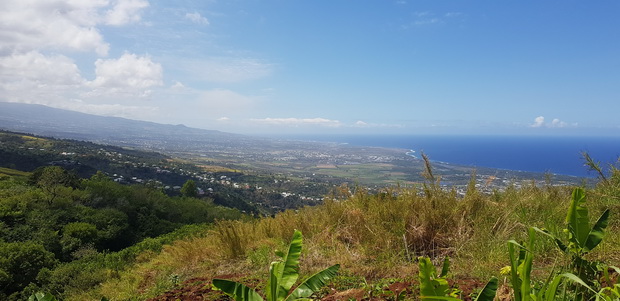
436 287
431 284
282 276
581 237
521 258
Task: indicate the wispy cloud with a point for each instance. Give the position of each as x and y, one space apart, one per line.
299 121
427 18
225 69
197 18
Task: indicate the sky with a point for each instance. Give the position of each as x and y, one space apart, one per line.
321 67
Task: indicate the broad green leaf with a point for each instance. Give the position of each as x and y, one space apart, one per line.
515 261
273 283
426 275
576 279
596 233
552 289
430 284
314 283
237 290
288 273
489 290
445 268
577 219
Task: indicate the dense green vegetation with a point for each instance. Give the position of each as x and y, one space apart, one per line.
55 222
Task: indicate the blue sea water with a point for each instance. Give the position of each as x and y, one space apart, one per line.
554 154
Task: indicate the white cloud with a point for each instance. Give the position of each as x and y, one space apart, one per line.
34 78
129 74
361 123
557 123
55 81
197 18
226 69
223 119
177 85
538 122
125 11
27 25
33 69
299 121
34 25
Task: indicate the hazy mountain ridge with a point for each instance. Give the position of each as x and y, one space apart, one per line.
43 120
368 165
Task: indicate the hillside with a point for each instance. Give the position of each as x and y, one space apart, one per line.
232 188
377 239
82 239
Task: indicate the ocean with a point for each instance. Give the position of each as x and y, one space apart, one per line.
554 154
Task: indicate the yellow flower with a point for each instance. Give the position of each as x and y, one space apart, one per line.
505 270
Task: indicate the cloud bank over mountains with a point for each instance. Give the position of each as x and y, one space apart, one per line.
58 53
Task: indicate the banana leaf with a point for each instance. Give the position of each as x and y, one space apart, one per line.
489 291
273 283
596 233
288 272
445 268
576 279
430 285
577 219
314 283
237 290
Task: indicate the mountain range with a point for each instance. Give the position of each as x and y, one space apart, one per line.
59 123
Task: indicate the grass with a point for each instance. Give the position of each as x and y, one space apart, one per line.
377 236
13 172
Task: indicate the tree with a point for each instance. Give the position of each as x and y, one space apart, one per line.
77 235
20 262
189 189
52 178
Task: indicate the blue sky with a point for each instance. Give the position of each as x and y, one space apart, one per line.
264 67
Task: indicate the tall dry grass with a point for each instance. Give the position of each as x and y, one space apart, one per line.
375 235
